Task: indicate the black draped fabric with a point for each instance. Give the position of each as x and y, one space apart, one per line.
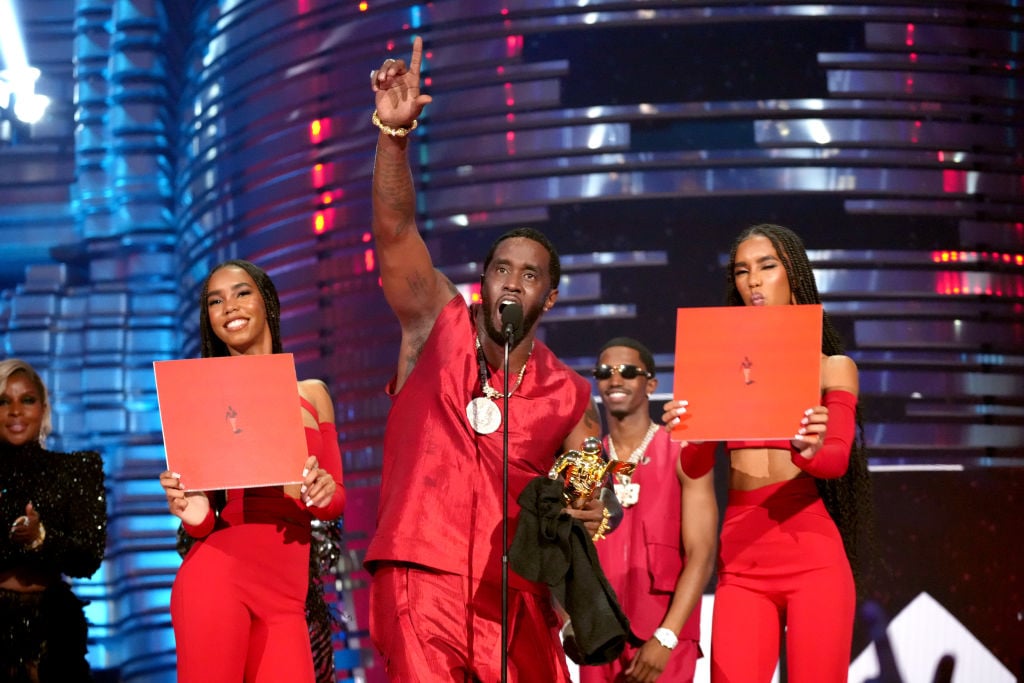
554 548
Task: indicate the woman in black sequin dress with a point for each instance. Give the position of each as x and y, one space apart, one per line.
54 508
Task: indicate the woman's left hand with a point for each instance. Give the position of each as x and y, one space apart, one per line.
811 436
25 529
317 484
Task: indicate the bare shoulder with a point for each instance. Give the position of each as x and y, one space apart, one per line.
315 391
839 373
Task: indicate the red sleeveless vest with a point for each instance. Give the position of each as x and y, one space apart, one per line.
644 556
440 500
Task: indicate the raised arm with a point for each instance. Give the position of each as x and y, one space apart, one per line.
414 289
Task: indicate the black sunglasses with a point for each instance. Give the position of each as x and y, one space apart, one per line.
603 371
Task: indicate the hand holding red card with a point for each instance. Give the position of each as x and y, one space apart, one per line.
228 421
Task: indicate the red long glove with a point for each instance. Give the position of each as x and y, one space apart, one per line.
331 461
833 457
697 459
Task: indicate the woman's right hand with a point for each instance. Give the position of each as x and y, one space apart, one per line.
190 507
672 412
25 530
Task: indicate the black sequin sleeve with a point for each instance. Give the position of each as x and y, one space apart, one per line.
67 490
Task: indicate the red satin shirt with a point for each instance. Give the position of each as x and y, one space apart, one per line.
440 500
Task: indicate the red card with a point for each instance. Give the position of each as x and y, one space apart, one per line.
233 421
748 372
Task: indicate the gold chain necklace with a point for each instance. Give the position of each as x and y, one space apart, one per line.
626 491
489 391
639 451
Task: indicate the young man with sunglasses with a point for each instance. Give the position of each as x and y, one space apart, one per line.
661 556
436 598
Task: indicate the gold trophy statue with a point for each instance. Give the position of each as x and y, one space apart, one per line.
585 469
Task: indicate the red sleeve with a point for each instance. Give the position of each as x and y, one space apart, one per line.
330 460
697 459
203 529
833 458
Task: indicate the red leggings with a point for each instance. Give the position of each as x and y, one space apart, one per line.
781 564
434 627
238 606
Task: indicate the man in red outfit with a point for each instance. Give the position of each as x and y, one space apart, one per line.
436 557
662 554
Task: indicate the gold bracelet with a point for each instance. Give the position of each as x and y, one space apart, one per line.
393 132
599 534
39 541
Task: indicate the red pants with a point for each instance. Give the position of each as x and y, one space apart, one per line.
681 665
781 564
433 627
238 607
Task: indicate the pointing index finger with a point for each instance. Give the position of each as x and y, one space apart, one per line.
417 56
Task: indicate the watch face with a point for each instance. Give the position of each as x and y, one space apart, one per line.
668 639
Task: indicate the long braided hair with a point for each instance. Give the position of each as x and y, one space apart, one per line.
847 498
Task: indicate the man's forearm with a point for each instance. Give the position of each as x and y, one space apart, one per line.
394 195
688 593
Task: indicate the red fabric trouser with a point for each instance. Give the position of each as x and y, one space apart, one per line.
680 668
238 608
435 627
781 564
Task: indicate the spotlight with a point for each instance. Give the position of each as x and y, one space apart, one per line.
18 94
18 80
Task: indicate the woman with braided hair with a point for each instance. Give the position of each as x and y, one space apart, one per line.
798 511
239 600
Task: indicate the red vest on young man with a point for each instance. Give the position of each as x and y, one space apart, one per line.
644 556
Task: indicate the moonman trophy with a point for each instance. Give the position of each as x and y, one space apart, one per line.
585 469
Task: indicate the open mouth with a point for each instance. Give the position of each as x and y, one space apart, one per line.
503 305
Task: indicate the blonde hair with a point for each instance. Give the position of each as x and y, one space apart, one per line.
14 365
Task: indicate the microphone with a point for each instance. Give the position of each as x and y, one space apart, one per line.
511 324
511 319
